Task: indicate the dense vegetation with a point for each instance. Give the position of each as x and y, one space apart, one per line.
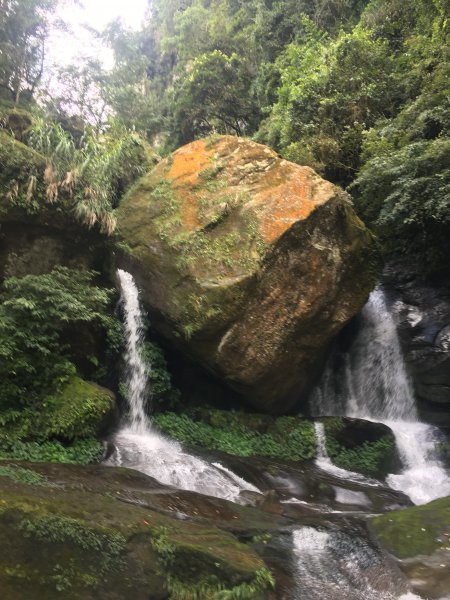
43 400
357 89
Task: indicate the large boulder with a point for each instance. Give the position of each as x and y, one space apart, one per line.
248 263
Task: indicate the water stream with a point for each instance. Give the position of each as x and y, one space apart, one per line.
324 462
137 445
373 384
333 564
327 563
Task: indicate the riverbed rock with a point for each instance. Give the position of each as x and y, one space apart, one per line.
422 310
419 537
112 534
247 263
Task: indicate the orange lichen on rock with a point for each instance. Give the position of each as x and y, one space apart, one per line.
188 162
290 201
254 267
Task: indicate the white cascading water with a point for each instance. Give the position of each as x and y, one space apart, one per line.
323 461
374 385
335 565
137 445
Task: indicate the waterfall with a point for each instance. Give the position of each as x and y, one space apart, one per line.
136 371
137 445
323 461
373 384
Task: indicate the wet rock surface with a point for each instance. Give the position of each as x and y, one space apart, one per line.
113 533
419 537
422 309
248 264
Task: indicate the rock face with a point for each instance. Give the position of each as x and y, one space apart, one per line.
35 235
419 538
248 263
110 534
423 315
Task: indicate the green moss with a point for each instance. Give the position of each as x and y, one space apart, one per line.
109 545
288 438
369 458
81 452
77 411
19 474
86 540
417 530
188 579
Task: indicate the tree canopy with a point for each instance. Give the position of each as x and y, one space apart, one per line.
356 89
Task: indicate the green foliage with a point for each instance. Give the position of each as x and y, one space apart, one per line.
164 548
208 590
288 439
403 189
76 412
40 397
34 313
367 458
21 475
215 98
330 92
108 545
82 452
198 67
204 588
23 33
162 390
91 175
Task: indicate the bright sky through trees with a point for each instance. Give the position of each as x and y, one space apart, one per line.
65 47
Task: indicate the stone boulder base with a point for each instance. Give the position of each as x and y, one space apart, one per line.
248 263
419 538
100 533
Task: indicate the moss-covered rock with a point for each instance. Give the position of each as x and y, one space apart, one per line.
419 537
38 235
417 530
75 533
362 446
63 426
81 409
14 119
250 264
21 172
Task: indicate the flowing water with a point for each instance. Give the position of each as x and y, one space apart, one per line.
324 462
373 384
336 565
137 445
326 563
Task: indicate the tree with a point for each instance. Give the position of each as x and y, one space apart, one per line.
23 33
330 92
215 97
